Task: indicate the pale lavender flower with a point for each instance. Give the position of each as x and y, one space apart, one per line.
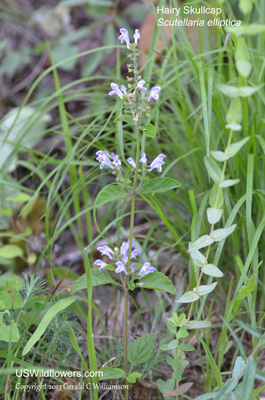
135 253
124 248
136 36
141 283
157 163
131 161
226 39
115 90
105 250
124 37
116 160
146 269
104 158
154 93
101 264
120 268
143 91
140 84
143 159
133 267
123 89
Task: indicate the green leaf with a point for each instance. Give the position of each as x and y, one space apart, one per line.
158 281
220 234
158 185
149 130
243 64
62 52
184 387
252 29
10 280
207 396
165 387
214 215
188 297
212 270
246 289
132 377
20 198
125 118
235 147
198 258
199 325
219 156
242 91
228 183
110 193
98 278
186 347
8 333
173 344
11 251
213 197
245 6
214 369
58 307
234 114
212 168
141 349
205 289
10 298
92 63
239 367
131 285
112 373
203 241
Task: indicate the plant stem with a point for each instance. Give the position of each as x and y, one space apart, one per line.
126 296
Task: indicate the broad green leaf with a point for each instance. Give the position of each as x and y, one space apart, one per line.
112 373
75 345
239 367
165 387
173 344
228 183
245 6
207 396
235 147
234 114
184 387
141 349
11 251
158 281
233 91
10 298
252 29
214 369
219 156
149 130
214 215
10 280
132 377
213 197
188 297
198 258
212 270
186 347
205 289
10 332
220 234
203 241
20 198
61 52
98 278
58 307
125 118
242 57
110 193
199 325
158 185
246 289
182 332
213 169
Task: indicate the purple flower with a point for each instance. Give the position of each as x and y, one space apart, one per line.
143 90
120 268
146 269
124 37
143 159
136 36
133 267
135 253
101 264
123 89
104 158
157 163
105 250
115 90
154 93
116 160
141 283
131 161
124 248
140 84
226 39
